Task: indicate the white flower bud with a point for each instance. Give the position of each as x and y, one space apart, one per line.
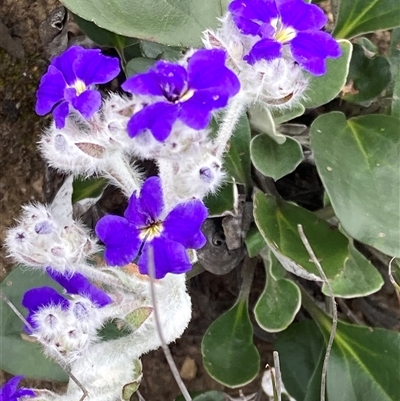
40 241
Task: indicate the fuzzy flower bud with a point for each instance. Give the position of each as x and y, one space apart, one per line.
39 240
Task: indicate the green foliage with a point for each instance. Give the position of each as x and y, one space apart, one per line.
323 89
273 159
138 65
172 22
361 16
279 302
368 76
223 201
19 354
229 355
277 221
88 188
358 162
237 160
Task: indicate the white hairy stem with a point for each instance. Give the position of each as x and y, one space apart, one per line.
231 117
122 174
166 173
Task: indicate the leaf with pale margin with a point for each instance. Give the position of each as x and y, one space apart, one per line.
358 162
18 355
361 16
229 355
273 159
325 88
262 121
254 242
279 302
367 77
359 278
170 22
277 221
281 117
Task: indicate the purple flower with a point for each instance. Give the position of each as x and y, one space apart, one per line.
78 284
143 228
286 22
69 82
187 94
9 391
40 298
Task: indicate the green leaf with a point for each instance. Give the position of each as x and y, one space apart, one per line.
254 242
367 77
262 121
281 117
223 202
362 16
395 111
158 51
229 355
279 302
358 162
359 278
277 222
172 22
237 160
138 65
102 36
88 188
20 356
274 160
301 350
323 89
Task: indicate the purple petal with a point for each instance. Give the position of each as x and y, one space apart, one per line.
158 118
172 78
300 15
120 238
196 112
169 257
310 49
147 209
50 92
60 114
9 392
206 70
266 49
92 67
87 103
78 284
65 63
36 298
143 84
184 222
248 13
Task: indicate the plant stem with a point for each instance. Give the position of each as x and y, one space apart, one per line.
231 117
334 309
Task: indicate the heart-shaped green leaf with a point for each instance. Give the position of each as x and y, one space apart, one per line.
358 162
20 356
274 160
367 77
224 202
229 355
279 302
323 89
277 222
361 16
172 22
287 115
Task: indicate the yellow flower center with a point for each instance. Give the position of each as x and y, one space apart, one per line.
187 95
282 34
152 231
79 86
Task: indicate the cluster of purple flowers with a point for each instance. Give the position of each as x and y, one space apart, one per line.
277 24
187 92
